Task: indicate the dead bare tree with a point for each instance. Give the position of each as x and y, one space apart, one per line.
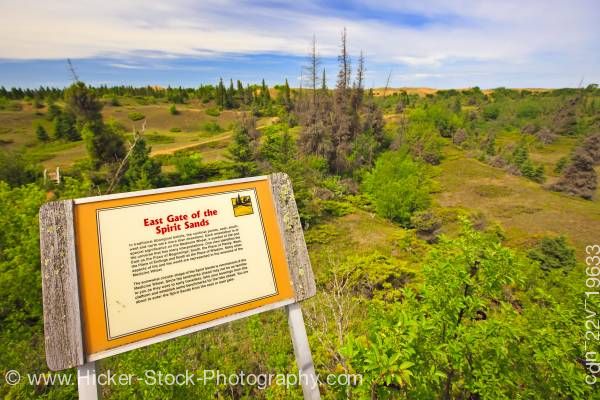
312 69
387 83
74 75
121 169
331 318
344 61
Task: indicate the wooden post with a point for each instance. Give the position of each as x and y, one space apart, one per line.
60 288
306 368
293 237
87 384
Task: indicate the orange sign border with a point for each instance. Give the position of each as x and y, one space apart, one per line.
90 280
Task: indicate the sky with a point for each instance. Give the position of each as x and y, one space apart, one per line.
440 44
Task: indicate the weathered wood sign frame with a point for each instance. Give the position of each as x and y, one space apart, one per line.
64 321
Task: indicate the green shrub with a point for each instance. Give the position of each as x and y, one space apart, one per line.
213 112
553 253
175 130
41 134
561 164
212 127
423 141
427 225
398 186
491 112
173 110
136 116
15 170
113 101
528 110
53 112
337 208
157 138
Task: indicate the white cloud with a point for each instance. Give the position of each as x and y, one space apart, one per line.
510 31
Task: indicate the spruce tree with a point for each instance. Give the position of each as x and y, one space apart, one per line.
41 134
220 94
64 127
104 143
265 97
244 148
229 96
143 172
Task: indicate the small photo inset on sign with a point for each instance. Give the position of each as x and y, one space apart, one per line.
242 205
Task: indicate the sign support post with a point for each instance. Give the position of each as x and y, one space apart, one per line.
306 368
87 384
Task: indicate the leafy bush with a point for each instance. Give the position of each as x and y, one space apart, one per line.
213 112
466 333
15 170
158 138
191 169
398 186
422 141
554 253
337 208
21 322
114 101
173 110
561 164
427 224
374 275
491 112
136 116
528 110
445 121
175 130
212 127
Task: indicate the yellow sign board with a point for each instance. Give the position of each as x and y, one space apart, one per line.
155 263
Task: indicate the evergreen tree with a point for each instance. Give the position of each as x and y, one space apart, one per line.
64 127
520 155
244 148
41 133
265 97
53 112
285 97
240 93
249 95
84 105
104 143
220 94
230 95
142 172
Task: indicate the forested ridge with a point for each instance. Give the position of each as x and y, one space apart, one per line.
447 230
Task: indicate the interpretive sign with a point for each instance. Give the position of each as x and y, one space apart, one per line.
128 270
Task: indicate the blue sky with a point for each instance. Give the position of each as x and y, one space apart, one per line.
433 43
